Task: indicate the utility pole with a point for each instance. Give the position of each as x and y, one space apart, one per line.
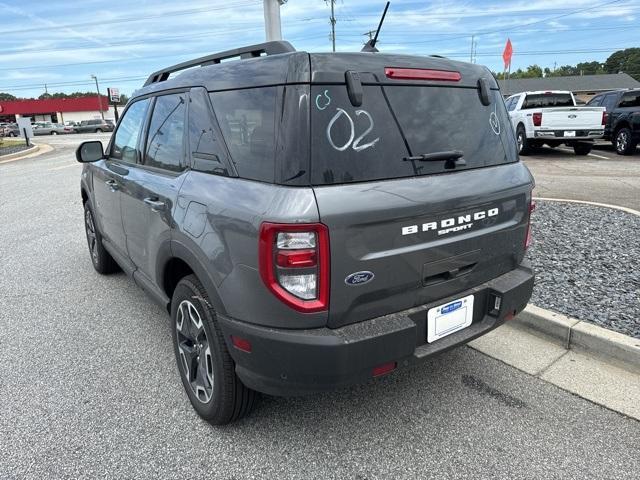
45 89
472 41
99 97
332 20
272 27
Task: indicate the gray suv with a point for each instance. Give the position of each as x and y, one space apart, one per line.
311 221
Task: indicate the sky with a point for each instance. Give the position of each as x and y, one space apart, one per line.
62 43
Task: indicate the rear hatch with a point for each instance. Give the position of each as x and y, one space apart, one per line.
572 118
412 232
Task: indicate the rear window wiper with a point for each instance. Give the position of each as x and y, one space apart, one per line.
452 157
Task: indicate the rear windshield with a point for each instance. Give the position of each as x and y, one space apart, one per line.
542 100
374 140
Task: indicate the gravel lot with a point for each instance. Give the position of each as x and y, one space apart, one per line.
587 263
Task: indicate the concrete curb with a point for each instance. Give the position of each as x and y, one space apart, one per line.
16 155
574 333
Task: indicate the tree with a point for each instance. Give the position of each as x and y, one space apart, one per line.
590 68
627 60
6 97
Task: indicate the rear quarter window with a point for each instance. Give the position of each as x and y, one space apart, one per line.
247 120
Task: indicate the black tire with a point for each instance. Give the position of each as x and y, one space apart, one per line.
11 134
623 142
54 133
582 148
102 261
98 130
211 383
524 147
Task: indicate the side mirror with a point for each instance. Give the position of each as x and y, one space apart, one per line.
91 151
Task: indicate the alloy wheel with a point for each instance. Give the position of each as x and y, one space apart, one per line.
91 235
195 352
621 141
520 142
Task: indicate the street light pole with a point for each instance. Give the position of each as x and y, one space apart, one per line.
99 97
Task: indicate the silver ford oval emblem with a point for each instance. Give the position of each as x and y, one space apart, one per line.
359 278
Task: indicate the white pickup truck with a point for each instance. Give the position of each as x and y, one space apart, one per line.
553 118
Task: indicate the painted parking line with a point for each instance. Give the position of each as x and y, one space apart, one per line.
590 154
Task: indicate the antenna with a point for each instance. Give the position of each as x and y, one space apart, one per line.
370 46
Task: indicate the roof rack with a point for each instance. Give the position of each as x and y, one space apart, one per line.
251 51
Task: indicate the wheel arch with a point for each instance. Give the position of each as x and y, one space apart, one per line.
182 262
624 123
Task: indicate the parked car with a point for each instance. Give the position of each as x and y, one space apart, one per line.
43 128
622 126
553 118
95 126
48 128
9 130
305 229
61 128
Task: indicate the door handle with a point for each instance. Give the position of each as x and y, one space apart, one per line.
155 204
113 185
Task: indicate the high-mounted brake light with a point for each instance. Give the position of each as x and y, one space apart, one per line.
528 238
537 119
422 74
294 264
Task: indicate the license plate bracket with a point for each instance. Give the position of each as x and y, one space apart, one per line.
449 318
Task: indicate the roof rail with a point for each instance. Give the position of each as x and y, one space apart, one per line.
251 51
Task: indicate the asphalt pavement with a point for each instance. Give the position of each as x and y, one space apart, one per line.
89 386
602 176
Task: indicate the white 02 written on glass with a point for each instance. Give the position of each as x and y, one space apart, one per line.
355 144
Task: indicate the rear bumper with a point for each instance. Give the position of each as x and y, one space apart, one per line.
559 135
296 362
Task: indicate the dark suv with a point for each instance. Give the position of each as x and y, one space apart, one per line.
622 125
311 221
94 126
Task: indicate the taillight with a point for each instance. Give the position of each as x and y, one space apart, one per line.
537 119
294 264
422 74
604 118
528 238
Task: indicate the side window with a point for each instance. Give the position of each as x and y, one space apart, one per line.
165 142
204 148
512 104
247 120
609 102
125 139
631 99
595 101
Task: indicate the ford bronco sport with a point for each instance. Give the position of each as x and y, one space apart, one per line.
311 221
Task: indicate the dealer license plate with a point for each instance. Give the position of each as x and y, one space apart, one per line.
569 133
449 318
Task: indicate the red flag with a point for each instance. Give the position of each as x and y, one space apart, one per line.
507 53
